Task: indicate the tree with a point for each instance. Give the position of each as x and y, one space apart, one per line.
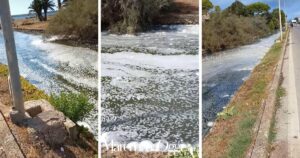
217 9
47 4
237 8
273 19
36 6
206 6
258 8
59 4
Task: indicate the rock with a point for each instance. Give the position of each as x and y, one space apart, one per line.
50 125
42 103
32 108
71 128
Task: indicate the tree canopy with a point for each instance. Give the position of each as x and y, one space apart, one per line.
206 6
237 8
258 8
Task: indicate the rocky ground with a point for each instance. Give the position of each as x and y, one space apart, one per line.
34 146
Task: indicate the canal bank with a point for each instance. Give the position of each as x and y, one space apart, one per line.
56 68
224 73
233 133
25 136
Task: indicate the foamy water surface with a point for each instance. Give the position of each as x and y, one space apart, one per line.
150 87
55 68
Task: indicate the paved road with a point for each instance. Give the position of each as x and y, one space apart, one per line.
294 93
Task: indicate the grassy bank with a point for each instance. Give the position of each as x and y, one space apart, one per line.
232 133
30 91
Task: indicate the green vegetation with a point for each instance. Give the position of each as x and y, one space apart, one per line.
206 6
74 106
233 130
239 24
186 153
240 143
30 91
37 6
258 8
280 92
129 16
78 20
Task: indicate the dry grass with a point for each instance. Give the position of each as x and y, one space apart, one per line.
232 136
31 24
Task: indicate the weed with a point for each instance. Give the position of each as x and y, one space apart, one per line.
75 106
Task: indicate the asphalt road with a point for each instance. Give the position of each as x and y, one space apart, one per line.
295 51
294 93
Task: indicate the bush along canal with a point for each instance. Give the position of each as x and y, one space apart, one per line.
56 68
150 89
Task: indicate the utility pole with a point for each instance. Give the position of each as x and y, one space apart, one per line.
12 60
280 24
284 9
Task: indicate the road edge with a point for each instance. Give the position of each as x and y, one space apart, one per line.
262 126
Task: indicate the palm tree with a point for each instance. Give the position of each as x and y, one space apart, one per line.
36 6
47 4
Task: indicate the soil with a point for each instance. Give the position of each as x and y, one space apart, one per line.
33 146
184 12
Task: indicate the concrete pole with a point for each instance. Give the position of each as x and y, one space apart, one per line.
12 60
280 24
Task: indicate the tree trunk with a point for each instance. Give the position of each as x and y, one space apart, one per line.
40 16
45 14
59 4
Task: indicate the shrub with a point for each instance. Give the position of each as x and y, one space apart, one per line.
130 16
75 106
225 31
78 20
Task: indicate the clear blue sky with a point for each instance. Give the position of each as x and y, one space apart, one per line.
21 6
292 7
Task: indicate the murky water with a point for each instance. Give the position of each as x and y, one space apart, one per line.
225 72
150 86
54 68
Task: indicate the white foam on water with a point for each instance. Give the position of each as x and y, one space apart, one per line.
74 56
78 80
180 62
238 59
210 124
